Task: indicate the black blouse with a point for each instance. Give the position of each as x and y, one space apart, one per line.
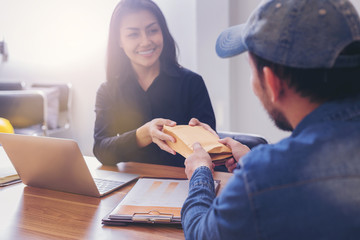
178 95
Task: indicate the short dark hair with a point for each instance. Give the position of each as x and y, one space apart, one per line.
118 65
318 84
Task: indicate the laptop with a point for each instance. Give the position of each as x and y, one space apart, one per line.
58 164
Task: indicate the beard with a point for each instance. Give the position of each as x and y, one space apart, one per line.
280 120
276 115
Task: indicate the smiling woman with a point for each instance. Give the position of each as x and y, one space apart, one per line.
146 89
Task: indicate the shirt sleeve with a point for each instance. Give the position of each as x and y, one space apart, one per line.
229 216
110 147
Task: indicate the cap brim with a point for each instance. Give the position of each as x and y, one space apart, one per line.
231 41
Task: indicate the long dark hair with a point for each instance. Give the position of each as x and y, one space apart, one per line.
118 67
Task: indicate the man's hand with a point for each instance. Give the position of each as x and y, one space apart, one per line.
196 122
238 151
199 158
152 132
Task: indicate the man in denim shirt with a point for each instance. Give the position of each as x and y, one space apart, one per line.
305 60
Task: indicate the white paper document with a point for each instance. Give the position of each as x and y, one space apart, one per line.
161 193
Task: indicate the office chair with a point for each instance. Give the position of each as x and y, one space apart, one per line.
250 140
43 109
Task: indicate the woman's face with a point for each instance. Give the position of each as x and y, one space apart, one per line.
141 39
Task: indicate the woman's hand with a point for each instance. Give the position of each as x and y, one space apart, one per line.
196 122
238 151
152 132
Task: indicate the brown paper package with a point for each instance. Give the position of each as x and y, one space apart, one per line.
186 136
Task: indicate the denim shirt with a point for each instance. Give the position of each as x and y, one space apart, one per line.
307 186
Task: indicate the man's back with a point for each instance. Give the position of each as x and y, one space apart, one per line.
308 181
303 55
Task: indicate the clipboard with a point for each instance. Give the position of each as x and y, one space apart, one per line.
152 200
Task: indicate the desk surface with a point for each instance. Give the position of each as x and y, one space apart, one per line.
35 213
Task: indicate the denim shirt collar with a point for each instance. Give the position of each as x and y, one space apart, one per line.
339 110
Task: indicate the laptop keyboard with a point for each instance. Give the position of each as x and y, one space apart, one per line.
105 185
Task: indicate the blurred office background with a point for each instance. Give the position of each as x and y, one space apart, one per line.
65 41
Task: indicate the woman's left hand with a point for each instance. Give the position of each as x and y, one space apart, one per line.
158 136
152 132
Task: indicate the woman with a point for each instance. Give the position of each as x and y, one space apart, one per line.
146 88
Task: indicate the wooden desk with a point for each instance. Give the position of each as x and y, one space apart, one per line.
35 213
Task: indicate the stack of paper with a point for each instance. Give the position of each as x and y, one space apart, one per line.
8 174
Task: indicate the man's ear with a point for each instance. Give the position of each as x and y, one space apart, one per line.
273 84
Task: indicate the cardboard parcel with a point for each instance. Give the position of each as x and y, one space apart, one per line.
186 136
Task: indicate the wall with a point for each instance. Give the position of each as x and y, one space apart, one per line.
247 113
214 70
181 18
